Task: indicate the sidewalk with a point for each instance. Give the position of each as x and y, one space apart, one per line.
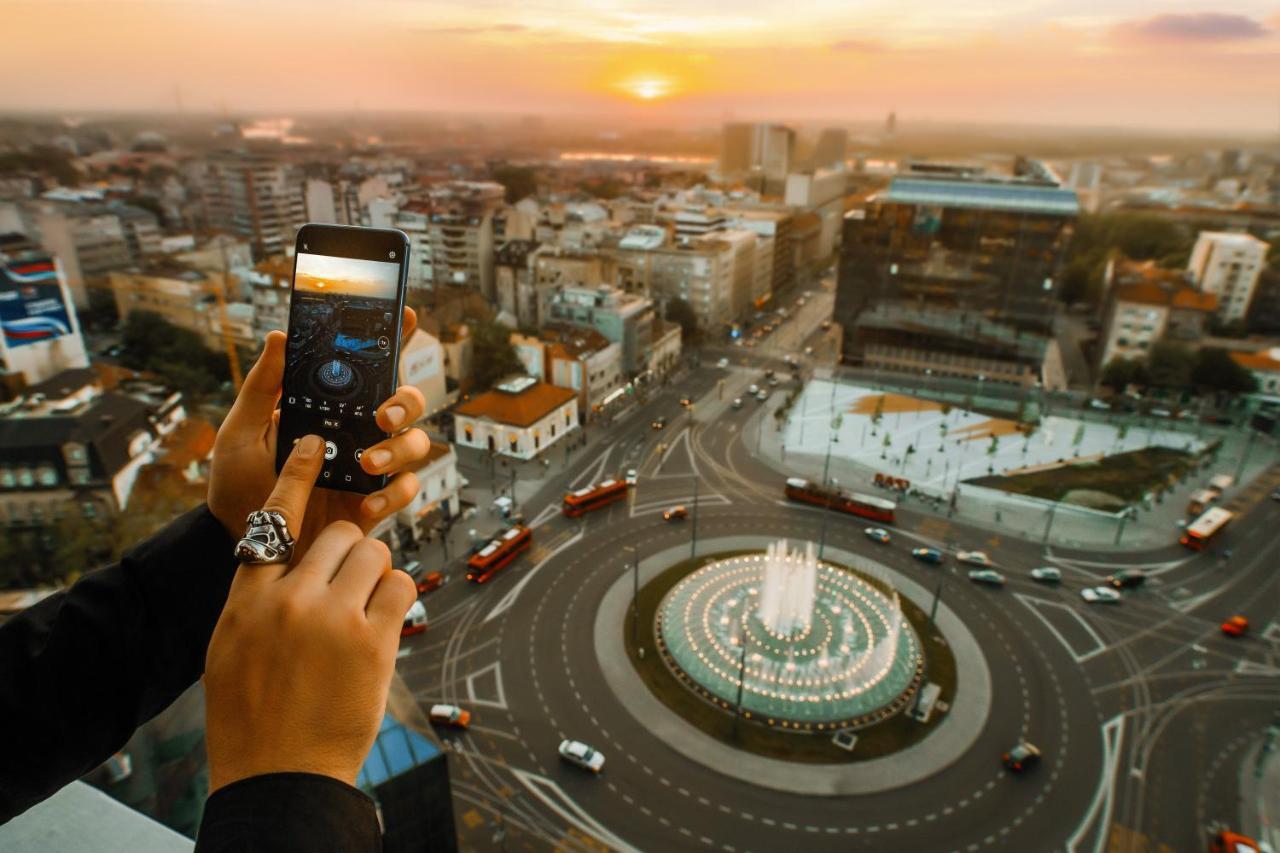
1260 793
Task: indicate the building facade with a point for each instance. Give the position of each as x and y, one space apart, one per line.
622 318
1228 265
520 417
256 196
41 331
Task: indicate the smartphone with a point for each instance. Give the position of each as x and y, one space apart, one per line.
342 358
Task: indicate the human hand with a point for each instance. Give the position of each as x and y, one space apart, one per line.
300 662
244 455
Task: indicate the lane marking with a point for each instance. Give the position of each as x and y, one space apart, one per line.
512 594
501 700
1104 797
1033 604
554 798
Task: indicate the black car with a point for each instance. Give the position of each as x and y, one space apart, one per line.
659 423
1024 756
1128 579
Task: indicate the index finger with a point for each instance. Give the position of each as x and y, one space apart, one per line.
292 491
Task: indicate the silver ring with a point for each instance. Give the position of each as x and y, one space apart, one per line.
266 540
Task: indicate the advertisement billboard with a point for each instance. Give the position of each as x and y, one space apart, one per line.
32 307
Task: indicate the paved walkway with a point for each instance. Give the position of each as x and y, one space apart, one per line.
954 733
1260 794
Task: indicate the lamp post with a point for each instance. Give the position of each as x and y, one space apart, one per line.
826 513
742 663
693 544
1053 508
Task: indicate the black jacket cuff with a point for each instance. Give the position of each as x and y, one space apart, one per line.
289 811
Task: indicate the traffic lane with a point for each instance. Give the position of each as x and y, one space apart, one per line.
766 800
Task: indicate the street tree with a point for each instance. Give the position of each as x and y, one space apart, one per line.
1169 365
1120 373
493 356
1215 370
680 312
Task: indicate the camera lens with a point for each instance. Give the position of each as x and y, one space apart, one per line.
393 254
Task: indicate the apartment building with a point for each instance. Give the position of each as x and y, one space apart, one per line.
1228 265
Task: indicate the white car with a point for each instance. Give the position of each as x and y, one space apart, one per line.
724 362
577 752
737 402
753 390
1100 595
1047 574
987 576
974 558
632 476
762 395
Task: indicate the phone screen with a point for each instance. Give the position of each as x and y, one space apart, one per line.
341 356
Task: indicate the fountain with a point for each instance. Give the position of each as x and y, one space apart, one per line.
811 645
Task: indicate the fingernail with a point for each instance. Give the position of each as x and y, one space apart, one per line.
376 504
380 457
309 446
395 414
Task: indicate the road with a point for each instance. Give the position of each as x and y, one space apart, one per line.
1144 709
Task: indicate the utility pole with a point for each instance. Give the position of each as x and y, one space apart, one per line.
1248 448
1053 508
742 664
826 514
693 545
635 599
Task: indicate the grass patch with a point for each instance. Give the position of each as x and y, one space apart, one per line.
881 739
1126 477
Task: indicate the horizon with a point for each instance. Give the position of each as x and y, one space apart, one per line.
1099 66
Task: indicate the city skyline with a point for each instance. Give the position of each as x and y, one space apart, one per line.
1039 63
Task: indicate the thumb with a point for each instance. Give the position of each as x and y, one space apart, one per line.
293 486
261 388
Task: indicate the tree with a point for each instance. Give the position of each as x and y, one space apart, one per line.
1098 237
1216 370
1120 373
1169 365
518 181
681 313
493 356
175 354
102 314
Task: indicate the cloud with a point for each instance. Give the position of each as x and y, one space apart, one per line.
473 31
857 46
1192 27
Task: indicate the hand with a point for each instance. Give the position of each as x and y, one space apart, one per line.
244 455
300 662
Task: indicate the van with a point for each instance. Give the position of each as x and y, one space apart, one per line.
415 621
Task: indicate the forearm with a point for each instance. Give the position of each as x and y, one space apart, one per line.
289 811
84 668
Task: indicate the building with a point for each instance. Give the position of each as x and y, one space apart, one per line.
458 347
577 358
1228 265
831 148
88 241
1147 304
1086 179
437 503
344 202
1265 367
700 272
691 224
514 282
773 228
185 297
761 154
68 445
820 192
407 776
270 283
953 270
141 230
664 353
621 317
41 332
519 417
422 366
256 196
450 242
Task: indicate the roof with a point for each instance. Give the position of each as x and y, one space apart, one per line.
1267 360
396 750
1151 292
106 425
64 383
986 195
1236 238
518 410
1195 300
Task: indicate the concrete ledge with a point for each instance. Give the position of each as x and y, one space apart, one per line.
952 737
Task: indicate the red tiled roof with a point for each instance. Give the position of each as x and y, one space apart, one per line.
518 410
1189 297
1262 360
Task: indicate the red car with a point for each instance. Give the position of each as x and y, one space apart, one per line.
429 582
1236 626
675 513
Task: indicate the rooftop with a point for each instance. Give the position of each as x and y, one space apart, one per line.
982 194
1267 360
521 409
1162 293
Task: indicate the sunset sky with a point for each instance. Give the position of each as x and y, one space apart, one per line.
1193 65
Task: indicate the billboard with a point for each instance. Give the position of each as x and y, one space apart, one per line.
32 307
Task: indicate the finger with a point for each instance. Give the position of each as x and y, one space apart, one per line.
261 389
360 572
390 601
393 497
401 409
327 552
407 450
409 323
293 487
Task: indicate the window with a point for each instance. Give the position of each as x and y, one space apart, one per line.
47 475
26 479
7 478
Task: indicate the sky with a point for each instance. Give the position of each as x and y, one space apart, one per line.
352 276
1189 64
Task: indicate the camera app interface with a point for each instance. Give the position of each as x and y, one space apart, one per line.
339 361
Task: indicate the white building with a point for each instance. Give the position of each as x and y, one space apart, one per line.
1265 367
437 501
520 417
41 332
422 366
1227 265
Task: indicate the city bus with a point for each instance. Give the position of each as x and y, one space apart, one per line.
500 551
1202 531
866 506
594 496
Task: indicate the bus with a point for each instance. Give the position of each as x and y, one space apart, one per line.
866 506
594 496
500 551
1202 531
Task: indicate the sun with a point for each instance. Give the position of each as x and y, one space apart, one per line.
648 87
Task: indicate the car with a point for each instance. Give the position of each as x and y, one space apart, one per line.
808 350
1226 841
675 513
686 402
1236 626
1100 595
762 395
1100 405
974 558
578 753
753 390
1023 756
773 381
987 576
429 582
1160 412
1047 574
724 362
737 402
1275 495
1128 578
415 620
658 423
927 555
826 324
632 476
877 534
449 715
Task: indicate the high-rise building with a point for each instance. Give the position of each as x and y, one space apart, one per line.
622 318
832 148
257 196
1228 264
41 333
761 153
701 272
451 236
773 227
88 241
954 270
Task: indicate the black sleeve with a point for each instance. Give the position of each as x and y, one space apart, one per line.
289 811
82 669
